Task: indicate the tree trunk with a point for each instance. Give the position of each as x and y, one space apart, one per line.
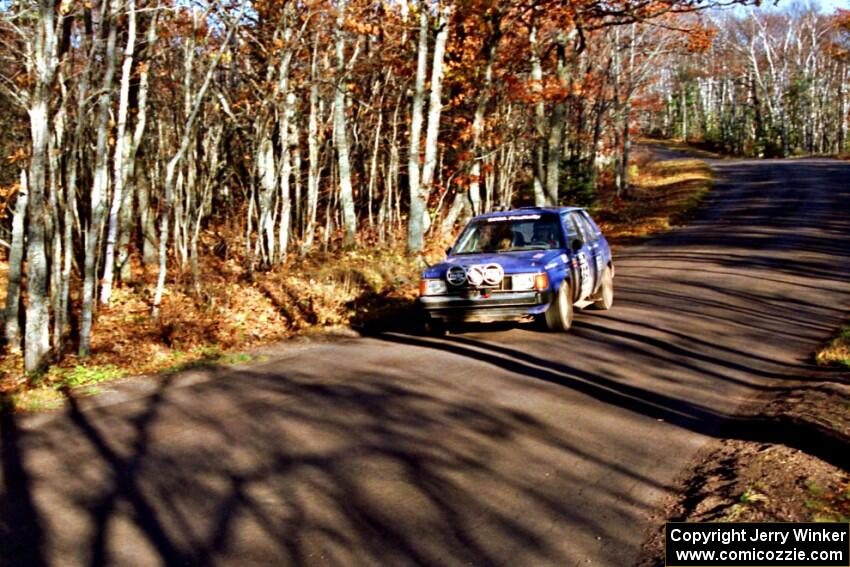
37 328
373 163
435 107
419 219
288 138
312 152
459 203
555 143
120 172
100 185
346 192
16 257
56 141
125 221
539 123
268 183
478 122
415 232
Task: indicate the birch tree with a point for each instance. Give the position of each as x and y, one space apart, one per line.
120 172
101 174
420 189
346 192
44 62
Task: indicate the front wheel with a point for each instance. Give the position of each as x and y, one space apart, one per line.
559 316
604 299
434 327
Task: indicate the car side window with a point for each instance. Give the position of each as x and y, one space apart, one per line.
593 231
570 228
579 228
587 228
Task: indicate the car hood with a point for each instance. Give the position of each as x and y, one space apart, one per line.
511 262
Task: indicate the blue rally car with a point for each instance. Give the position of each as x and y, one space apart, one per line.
524 264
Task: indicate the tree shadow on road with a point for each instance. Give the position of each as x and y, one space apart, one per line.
267 467
21 536
795 433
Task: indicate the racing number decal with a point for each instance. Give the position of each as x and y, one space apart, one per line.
584 268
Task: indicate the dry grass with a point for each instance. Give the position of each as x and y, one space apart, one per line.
679 145
837 351
665 194
230 314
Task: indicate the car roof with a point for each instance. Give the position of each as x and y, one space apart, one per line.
528 211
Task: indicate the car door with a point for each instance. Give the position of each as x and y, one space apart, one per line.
601 248
598 251
581 258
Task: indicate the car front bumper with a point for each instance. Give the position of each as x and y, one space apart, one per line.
503 306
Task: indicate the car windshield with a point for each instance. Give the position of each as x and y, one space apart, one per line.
510 234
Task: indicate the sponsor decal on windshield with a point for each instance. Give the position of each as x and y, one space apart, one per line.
513 217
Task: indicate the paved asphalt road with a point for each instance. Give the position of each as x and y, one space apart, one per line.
497 446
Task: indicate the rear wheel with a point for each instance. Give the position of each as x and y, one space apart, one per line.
605 296
559 316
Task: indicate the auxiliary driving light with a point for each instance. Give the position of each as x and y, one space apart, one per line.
475 276
493 274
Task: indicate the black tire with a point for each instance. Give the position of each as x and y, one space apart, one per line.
559 316
604 299
434 327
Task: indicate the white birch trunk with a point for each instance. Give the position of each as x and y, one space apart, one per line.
16 257
121 157
287 139
373 164
435 107
312 152
268 183
125 224
478 126
415 235
346 191
539 124
100 185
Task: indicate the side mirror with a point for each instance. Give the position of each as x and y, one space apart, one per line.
448 250
576 244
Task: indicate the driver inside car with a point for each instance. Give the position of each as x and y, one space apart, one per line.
497 238
544 234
